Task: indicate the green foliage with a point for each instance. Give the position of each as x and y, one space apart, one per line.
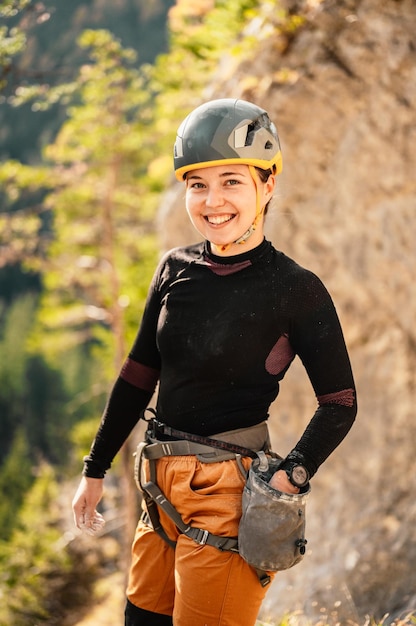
33 563
32 394
14 282
15 479
12 39
46 422
13 42
82 435
23 218
13 359
18 17
208 34
10 8
102 209
51 59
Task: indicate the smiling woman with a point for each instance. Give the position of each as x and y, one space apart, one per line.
224 320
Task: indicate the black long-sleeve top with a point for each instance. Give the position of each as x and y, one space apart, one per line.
218 334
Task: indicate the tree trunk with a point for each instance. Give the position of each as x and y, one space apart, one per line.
128 488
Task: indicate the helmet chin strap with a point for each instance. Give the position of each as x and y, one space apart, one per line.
259 213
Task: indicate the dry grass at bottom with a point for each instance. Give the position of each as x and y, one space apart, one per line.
108 610
298 619
110 599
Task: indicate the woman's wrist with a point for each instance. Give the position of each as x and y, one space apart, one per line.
93 469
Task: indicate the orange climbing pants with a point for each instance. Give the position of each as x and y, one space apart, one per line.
197 584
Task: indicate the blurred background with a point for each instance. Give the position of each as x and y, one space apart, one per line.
91 94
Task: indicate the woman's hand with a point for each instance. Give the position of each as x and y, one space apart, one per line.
281 482
84 505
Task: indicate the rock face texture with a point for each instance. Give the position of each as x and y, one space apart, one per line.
342 90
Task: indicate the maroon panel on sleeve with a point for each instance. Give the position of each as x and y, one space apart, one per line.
139 375
345 398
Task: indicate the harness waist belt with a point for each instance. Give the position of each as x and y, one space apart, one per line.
158 449
253 438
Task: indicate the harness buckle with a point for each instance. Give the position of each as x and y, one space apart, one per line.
200 536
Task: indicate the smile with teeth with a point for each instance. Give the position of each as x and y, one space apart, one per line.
217 220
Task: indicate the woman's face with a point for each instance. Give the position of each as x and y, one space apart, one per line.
221 203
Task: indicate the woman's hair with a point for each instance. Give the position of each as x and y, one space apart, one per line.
264 174
264 177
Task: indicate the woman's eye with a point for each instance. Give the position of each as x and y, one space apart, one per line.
197 186
232 181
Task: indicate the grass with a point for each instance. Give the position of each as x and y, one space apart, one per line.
296 619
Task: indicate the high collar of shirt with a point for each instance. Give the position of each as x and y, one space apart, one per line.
246 258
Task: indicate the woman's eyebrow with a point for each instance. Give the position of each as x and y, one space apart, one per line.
233 174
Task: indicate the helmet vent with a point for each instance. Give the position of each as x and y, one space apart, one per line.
268 145
240 136
251 131
178 148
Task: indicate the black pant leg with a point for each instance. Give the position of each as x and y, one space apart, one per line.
134 616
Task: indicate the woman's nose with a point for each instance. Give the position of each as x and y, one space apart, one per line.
214 197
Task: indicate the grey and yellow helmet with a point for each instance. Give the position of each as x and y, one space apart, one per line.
227 131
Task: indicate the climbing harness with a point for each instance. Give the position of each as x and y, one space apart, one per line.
207 450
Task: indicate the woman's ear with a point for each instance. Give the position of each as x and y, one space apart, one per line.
269 187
